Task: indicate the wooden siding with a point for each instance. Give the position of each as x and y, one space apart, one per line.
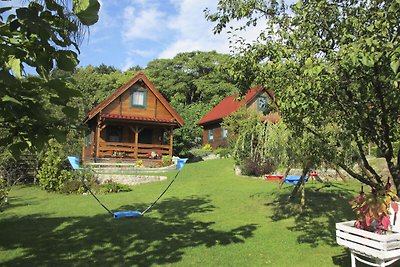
218 140
222 142
122 106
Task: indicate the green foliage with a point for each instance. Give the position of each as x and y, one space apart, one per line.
334 69
223 152
200 153
166 161
73 181
4 190
251 150
193 82
113 187
238 122
191 77
72 187
42 35
51 174
376 152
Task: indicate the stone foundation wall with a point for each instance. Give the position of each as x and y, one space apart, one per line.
128 179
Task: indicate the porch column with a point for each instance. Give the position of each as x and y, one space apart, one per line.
97 145
83 148
136 141
171 140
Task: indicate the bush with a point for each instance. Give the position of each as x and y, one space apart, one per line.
257 168
72 187
73 181
50 174
223 152
166 161
113 187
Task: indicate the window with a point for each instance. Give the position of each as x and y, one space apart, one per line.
211 135
114 134
262 103
224 133
138 98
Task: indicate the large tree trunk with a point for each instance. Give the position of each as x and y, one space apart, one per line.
299 183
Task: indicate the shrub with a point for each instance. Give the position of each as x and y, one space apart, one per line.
113 187
166 161
72 187
223 152
73 181
257 168
49 175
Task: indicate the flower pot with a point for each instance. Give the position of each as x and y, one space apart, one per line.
383 249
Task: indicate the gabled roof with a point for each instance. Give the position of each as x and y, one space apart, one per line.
230 104
140 76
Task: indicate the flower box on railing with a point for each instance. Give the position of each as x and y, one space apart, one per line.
385 247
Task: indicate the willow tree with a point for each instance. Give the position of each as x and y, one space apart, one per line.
38 36
334 66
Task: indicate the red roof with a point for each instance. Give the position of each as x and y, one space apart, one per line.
228 105
136 118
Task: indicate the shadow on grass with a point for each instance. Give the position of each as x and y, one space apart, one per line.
316 224
103 241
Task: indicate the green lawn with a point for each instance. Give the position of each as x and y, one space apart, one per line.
209 217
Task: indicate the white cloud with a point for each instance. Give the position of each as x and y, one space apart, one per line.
131 59
144 24
194 32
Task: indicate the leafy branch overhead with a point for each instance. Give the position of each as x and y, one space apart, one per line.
334 67
41 36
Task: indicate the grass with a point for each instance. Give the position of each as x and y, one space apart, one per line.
209 217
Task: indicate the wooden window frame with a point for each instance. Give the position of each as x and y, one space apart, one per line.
264 97
210 133
144 91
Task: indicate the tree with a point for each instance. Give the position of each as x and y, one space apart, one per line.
192 77
193 83
41 36
334 66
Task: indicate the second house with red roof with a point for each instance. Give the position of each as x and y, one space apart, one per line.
257 98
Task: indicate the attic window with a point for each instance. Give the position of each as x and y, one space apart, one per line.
262 103
138 98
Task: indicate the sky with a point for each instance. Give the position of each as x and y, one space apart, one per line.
134 32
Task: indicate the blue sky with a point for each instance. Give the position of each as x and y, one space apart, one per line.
134 32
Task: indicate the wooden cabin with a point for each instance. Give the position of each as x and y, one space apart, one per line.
135 122
257 98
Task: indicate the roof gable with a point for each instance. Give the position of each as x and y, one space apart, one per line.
139 77
230 104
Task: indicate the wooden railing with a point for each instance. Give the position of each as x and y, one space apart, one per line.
129 150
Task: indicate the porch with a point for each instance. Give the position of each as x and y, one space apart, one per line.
133 151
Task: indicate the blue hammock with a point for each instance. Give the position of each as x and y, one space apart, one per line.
74 161
294 179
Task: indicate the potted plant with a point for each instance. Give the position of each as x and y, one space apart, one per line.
374 234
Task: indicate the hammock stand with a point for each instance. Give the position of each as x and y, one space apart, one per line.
74 162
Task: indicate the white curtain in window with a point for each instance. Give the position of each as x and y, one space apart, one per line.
138 98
